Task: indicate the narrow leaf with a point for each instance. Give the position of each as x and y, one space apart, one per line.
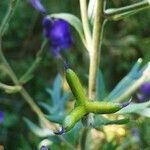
41 132
100 121
100 86
134 108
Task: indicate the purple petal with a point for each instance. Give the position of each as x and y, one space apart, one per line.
58 33
145 89
1 117
37 5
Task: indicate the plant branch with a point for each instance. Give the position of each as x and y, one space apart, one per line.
12 75
9 13
9 88
28 74
96 50
85 22
120 13
94 54
84 138
25 94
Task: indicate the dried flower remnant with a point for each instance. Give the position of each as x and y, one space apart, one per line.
37 5
58 33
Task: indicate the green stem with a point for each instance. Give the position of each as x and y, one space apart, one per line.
9 88
85 22
9 13
28 74
94 54
25 94
120 13
96 50
15 80
12 75
84 138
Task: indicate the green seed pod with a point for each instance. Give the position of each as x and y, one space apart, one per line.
103 107
75 86
74 116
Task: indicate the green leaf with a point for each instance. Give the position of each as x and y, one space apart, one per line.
145 112
24 144
73 136
46 107
56 107
72 20
134 108
100 86
91 10
127 81
123 12
41 132
100 121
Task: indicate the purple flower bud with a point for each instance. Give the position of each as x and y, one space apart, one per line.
37 5
145 89
58 33
1 117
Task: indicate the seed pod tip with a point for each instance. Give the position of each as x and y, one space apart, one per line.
126 103
60 132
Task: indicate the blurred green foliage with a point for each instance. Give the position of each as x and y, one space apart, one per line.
124 42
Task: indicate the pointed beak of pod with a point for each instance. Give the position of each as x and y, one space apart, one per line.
125 104
60 132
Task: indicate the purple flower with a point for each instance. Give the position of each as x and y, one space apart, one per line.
58 33
1 117
37 5
144 93
145 89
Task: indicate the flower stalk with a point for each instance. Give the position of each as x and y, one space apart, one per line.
120 13
9 13
28 74
94 45
96 50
